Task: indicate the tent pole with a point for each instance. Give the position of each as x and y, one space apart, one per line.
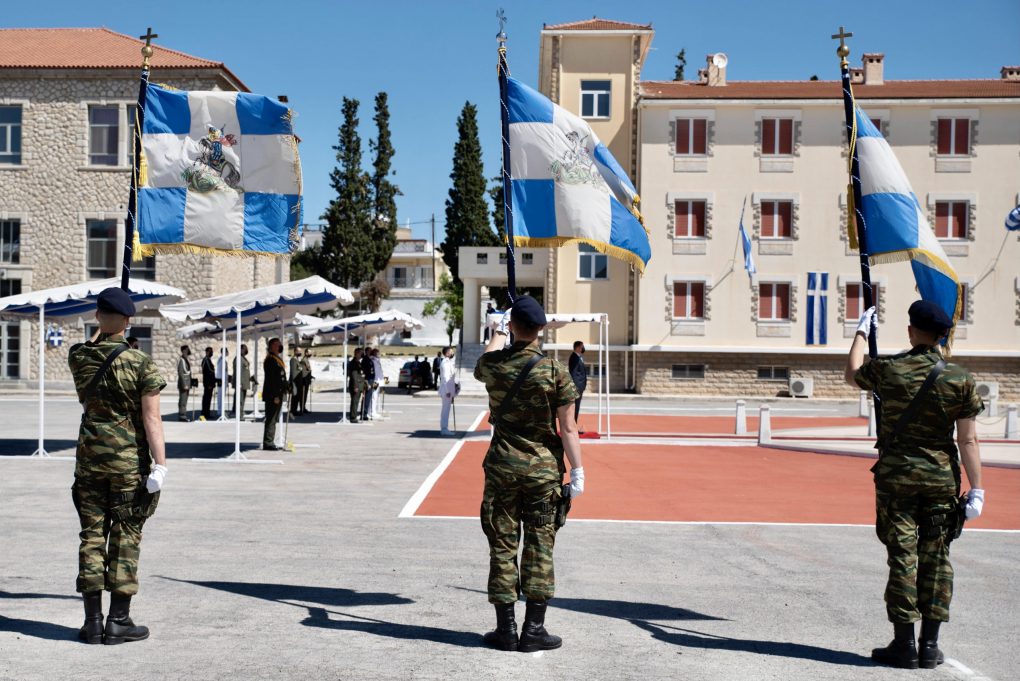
238 406
255 413
284 403
221 361
601 380
41 450
343 408
609 410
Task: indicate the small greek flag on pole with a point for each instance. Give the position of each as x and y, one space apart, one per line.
219 174
565 184
817 294
745 241
897 228
1013 219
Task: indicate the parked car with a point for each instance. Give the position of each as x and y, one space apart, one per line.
412 376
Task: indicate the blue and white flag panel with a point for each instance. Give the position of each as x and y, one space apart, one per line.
897 229
745 241
220 174
818 299
566 185
1013 219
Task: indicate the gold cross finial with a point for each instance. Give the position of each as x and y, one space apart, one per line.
843 50
147 48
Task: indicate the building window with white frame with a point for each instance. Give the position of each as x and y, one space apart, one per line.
691 136
10 242
773 302
104 135
688 371
965 303
773 373
776 220
953 137
854 293
595 98
10 335
10 135
131 109
689 219
777 136
951 218
689 300
591 264
145 268
101 237
144 336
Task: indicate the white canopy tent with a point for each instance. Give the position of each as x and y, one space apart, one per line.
76 301
269 305
558 321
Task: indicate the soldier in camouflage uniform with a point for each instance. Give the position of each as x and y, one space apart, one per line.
116 486
524 474
917 478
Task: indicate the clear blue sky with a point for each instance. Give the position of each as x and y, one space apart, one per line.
433 55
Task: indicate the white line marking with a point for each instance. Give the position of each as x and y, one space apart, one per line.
960 666
411 507
966 672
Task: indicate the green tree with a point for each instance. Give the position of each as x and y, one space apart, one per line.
373 293
303 264
449 303
347 256
498 216
467 213
384 191
681 63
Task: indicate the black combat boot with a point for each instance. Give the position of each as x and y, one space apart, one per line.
928 653
504 636
119 627
533 634
901 652
92 630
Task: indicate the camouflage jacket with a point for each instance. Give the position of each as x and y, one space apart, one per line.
526 439
111 440
924 455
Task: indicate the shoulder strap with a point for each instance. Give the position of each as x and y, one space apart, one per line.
496 415
911 411
90 389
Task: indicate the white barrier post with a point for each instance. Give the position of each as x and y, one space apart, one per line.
863 408
872 425
764 425
993 407
1012 426
741 428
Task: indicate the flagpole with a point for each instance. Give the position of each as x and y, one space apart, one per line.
504 115
136 142
843 51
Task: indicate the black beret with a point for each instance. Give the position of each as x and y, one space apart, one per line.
526 310
116 300
927 316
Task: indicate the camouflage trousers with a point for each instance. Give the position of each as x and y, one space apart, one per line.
111 533
508 503
920 576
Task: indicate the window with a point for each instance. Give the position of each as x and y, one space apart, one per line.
773 373
104 128
102 248
688 300
131 109
144 336
10 241
877 122
10 335
965 316
398 277
953 137
591 264
481 258
951 219
776 219
10 135
855 300
595 98
777 136
690 220
145 268
688 371
691 136
527 258
774 302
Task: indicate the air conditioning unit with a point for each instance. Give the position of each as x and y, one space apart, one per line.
987 390
802 387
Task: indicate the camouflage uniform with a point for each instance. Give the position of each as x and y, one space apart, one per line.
523 471
111 461
918 477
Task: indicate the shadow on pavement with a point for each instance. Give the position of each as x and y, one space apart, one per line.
285 593
695 639
25 446
25 596
47 630
628 610
205 450
320 617
432 434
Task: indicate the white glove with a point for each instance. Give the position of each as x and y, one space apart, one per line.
975 502
867 319
503 327
576 482
154 482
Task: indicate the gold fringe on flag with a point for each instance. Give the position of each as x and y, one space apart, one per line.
600 246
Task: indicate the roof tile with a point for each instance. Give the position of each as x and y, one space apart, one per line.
86 48
596 24
830 89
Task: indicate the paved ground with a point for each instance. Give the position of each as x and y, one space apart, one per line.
305 571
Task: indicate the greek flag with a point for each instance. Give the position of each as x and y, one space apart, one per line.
1013 219
566 186
745 241
219 173
817 295
897 228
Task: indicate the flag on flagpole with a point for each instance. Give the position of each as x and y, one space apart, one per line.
219 173
745 241
566 186
1013 219
897 228
818 294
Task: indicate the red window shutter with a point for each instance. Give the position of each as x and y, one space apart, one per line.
697 295
679 298
944 136
853 301
764 301
700 136
877 122
683 136
962 141
680 221
786 136
768 219
942 220
782 301
876 294
964 294
697 219
785 218
959 220
768 136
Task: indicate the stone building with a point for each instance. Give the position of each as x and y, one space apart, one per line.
67 100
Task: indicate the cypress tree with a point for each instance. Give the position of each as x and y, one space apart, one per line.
467 213
498 216
384 192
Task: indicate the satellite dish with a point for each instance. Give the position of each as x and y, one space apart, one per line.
720 59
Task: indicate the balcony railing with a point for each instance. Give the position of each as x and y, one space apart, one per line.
411 282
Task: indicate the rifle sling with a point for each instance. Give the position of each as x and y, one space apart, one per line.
910 412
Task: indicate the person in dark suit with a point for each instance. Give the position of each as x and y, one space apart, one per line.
368 371
579 373
208 383
274 390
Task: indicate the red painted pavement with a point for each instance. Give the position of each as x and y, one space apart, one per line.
654 424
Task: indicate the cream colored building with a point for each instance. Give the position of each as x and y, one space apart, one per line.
413 275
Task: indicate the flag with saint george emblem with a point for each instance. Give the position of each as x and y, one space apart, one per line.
818 295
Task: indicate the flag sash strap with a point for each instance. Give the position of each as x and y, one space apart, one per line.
508 212
131 249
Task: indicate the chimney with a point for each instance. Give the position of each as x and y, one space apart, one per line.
856 75
1010 72
872 62
715 69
